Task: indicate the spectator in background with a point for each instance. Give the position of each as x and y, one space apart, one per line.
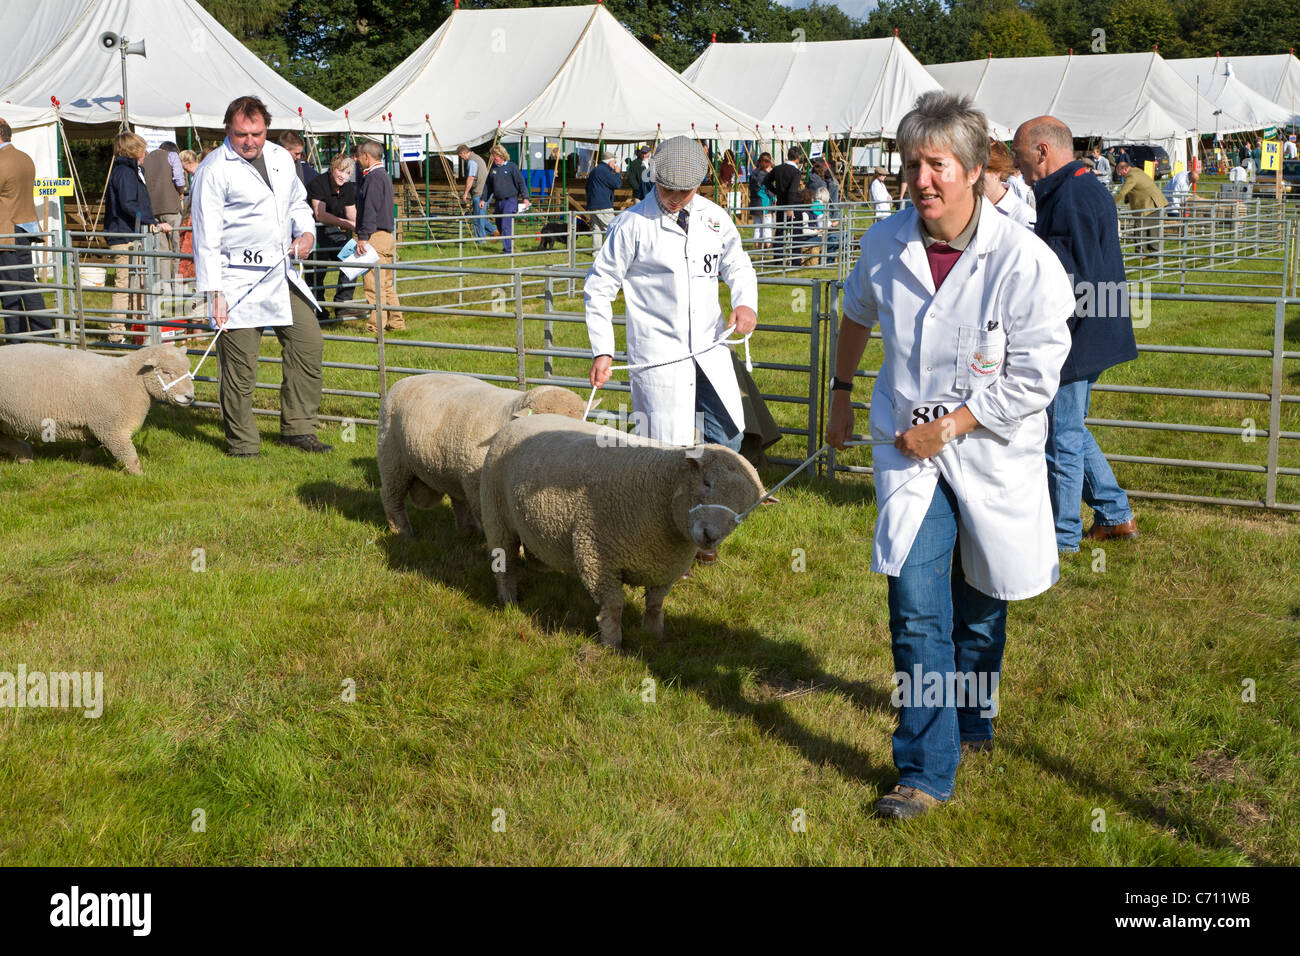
760 201
1100 166
1023 191
1078 221
1144 198
17 216
294 144
333 200
377 228
1000 166
1238 174
785 183
189 162
638 173
475 182
1289 148
827 175
1180 188
505 189
126 211
164 178
879 192
602 182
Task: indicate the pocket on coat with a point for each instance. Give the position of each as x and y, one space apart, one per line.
980 354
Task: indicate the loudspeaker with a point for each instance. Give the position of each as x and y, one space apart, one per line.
108 40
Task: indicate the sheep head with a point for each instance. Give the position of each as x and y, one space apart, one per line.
551 400
167 365
717 485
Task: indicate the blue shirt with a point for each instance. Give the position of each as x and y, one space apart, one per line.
602 182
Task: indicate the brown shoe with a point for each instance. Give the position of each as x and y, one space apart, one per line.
904 803
1101 532
970 748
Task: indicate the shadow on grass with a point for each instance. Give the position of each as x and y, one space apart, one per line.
200 425
1186 828
741 671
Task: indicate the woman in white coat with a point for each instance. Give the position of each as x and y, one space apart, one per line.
667 254
972 308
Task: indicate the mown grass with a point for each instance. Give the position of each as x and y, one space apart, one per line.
224 688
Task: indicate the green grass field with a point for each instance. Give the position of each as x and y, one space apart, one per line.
1122 695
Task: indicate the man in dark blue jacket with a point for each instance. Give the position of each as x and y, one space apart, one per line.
505 189
602 182
1076 217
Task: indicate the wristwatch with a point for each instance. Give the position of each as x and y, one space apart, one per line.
838 386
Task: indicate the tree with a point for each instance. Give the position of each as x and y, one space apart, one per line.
1005 29
1136 26
931 31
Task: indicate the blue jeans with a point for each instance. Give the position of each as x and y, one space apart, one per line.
1077 471
942 627
482 228
718 427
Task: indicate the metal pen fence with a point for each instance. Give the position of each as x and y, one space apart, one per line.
541 342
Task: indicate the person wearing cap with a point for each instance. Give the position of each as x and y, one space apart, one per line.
638 173
602 182
1289 148
666 254
880 193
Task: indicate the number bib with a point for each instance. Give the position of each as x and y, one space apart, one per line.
252 257
920 412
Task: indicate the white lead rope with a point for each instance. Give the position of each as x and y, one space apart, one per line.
230 308
725 340
780 484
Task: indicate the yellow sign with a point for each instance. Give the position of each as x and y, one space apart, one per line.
52 187
1149 168
1271 156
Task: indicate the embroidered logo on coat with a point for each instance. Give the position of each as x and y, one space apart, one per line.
985 363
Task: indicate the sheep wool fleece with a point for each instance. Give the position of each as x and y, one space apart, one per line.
301 346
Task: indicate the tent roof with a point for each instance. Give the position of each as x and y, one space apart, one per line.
849 87
26 117
1275 77
53 50
1131 96
554 68
1218 84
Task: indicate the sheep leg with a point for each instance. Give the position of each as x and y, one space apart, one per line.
16 448
466 523
120 447
89 453
653 621
393 488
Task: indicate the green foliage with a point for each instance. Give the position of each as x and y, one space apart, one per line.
1137 26
1006 29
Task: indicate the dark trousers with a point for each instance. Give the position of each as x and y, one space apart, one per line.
506 208
300 390
16 273
344 289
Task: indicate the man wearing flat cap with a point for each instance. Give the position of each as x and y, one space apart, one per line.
667 254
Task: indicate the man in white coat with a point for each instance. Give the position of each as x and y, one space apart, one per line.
667 254
251 218
972 310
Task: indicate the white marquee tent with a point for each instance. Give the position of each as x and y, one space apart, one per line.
1275 77
1216 81
1115 97
51 49
571 71
839 88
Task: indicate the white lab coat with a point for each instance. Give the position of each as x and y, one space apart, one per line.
993 338
1017 210
670 286
880 196
241 228
1024 192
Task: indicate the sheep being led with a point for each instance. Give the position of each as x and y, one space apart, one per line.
49 394
434 432
624 511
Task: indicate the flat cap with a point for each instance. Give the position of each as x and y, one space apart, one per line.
679 163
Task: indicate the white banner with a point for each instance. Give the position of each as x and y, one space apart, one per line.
412 148
154 136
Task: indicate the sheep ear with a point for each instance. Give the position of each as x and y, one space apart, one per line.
147 367
771 501
695 458
521 412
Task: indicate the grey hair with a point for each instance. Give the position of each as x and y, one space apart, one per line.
951 121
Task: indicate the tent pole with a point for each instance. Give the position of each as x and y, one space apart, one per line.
428 196
446 166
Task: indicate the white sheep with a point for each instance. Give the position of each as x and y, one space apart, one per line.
434 432
48 393
614 509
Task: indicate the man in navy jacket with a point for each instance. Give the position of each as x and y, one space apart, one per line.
1077 219
602 182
